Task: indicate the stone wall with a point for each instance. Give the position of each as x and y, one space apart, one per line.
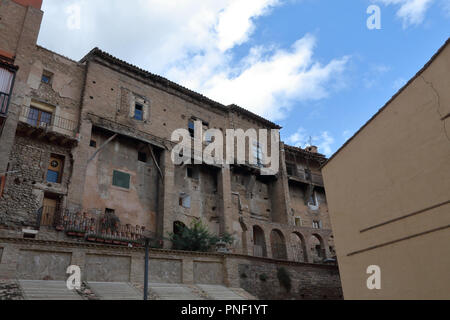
48 260
25 186
307 281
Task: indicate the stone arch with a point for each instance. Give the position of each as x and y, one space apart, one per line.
278 245
298 245
178 227
316 248
259 242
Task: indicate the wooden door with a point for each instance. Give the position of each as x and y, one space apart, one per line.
48 211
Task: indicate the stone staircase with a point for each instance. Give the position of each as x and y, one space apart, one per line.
115 291
57 290
47 290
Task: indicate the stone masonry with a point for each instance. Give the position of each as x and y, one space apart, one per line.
82 141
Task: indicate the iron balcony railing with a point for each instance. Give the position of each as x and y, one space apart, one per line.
47 120
103 229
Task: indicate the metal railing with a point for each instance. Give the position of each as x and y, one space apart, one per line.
46 120
104 229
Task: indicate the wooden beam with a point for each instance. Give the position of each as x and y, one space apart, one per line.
156 163
102 147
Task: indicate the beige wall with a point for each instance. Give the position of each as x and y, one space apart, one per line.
398 164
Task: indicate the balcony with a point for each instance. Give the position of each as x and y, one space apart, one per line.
47 123
302 175
95 228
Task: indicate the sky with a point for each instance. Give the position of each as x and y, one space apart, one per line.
318 68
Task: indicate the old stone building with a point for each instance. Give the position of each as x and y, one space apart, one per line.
89 141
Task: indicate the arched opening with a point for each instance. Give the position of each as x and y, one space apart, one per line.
298 247
259 242
332 248
278 245
178 227
317 249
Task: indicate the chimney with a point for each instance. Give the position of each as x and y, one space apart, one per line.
33 3
312 149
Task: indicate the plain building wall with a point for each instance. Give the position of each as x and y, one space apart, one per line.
396 172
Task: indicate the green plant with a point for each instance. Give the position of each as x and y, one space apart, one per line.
284 278
196 237
263 277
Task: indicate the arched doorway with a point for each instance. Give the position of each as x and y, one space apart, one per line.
298 247
259 242
278 245
178 227
316 248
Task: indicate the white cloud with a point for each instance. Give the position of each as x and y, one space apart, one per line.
191 42
412 12
324 141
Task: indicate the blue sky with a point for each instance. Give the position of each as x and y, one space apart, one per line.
312 66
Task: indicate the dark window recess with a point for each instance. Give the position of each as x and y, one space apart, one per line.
192 173
121 179
139 112
142 157
290 168
93 144
308 174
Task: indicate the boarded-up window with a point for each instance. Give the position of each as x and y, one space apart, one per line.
121 179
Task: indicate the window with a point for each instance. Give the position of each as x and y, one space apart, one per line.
192 173
55 169
185 201
290 168
121 179
308 175
142 157
258 154
298 221
191 128
46 77
6 80
139 112
93 143
317 224
313 199
39 118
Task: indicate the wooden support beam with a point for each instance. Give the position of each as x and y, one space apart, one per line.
102 147
156 163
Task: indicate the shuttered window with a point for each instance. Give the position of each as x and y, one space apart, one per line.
121 179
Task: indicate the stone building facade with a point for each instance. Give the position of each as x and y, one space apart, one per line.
83 141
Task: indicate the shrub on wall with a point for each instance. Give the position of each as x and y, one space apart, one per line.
284 278
196 237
